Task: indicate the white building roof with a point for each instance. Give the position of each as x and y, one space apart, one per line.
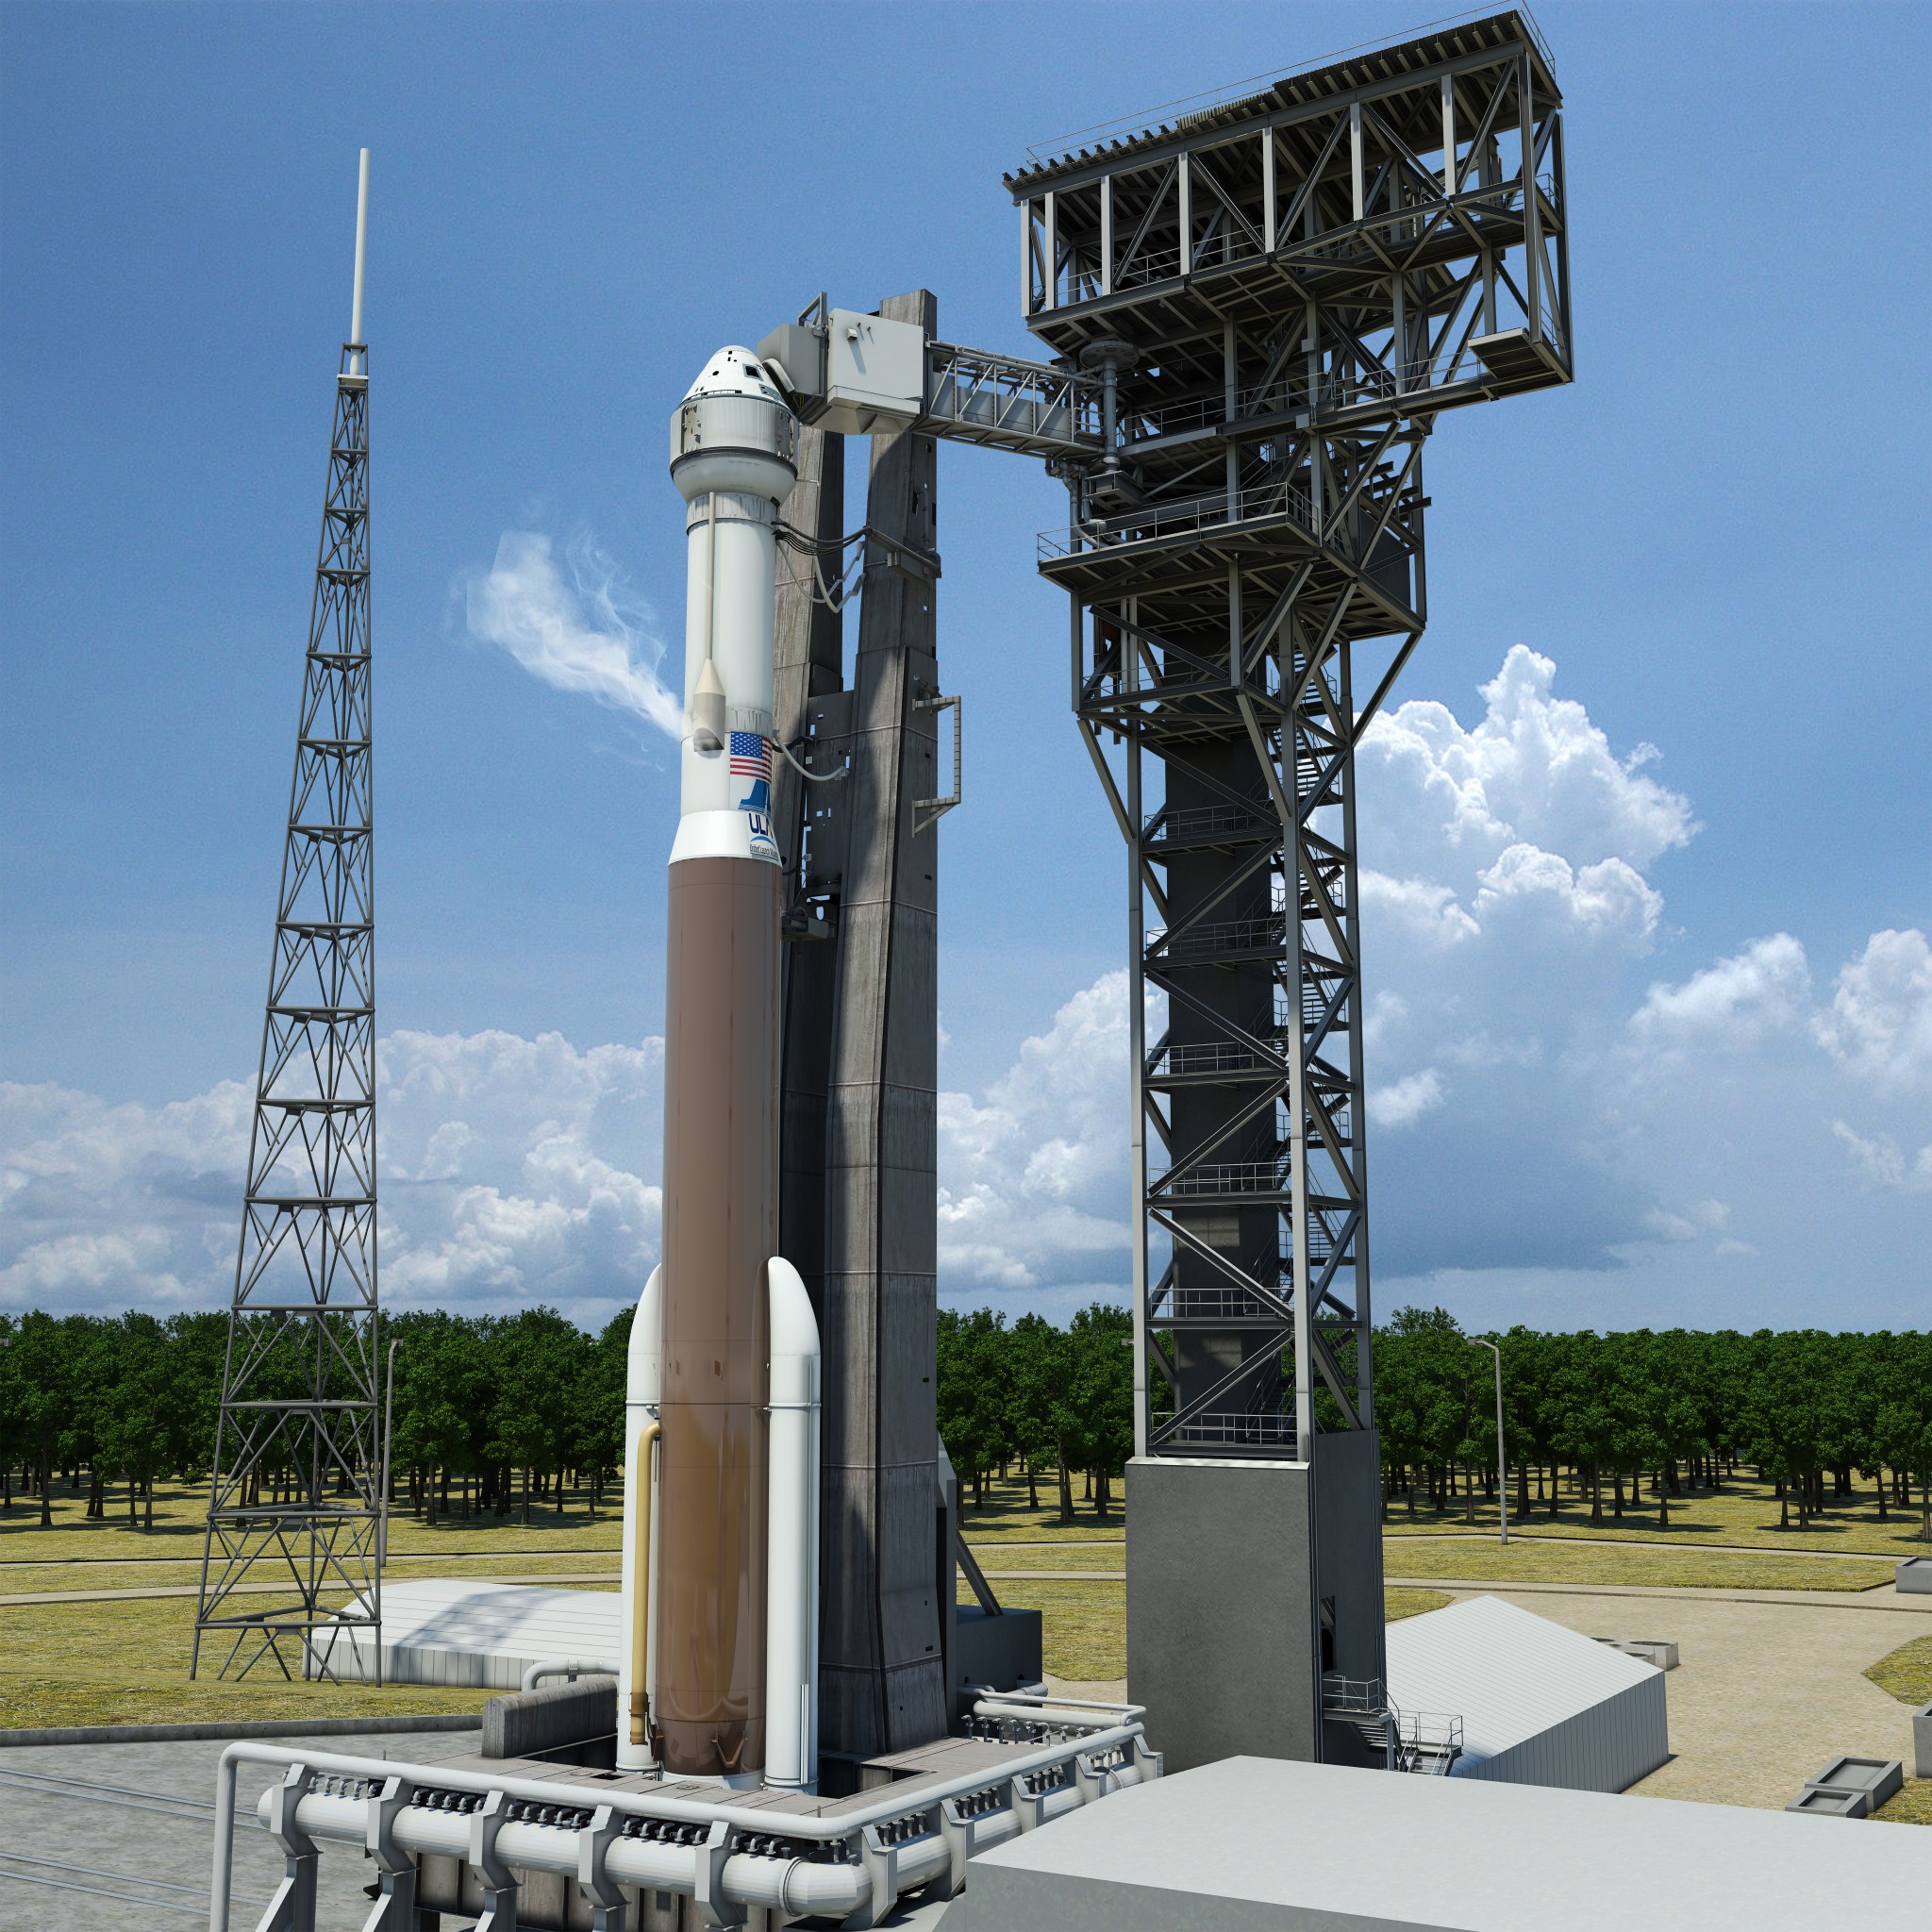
1257 1844
452 1631
1540 1704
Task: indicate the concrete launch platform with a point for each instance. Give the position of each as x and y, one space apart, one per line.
1255 1845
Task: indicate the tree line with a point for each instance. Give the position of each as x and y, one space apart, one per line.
1812 1412
489 1412
492 1412
1612 1416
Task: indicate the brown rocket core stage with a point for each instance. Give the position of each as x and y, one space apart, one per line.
720 1226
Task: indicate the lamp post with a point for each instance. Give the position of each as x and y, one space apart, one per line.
1502 1459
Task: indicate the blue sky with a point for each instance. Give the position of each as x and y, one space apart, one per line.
1671 1061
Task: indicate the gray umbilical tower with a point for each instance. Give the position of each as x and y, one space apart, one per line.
298 1491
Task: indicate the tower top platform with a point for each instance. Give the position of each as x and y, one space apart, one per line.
1364 70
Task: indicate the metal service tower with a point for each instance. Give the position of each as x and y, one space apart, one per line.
1256 314
297 1493
1280 293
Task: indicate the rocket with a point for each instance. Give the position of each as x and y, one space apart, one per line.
717 1673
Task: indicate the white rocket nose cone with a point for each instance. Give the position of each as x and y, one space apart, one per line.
734 431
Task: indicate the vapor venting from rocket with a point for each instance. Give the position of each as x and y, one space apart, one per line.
578 626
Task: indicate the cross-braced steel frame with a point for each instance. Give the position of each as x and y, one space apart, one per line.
296 1498
1278 295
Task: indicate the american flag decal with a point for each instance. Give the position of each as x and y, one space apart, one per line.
750 756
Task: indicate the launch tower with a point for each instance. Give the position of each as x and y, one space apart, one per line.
1280 293
298 1491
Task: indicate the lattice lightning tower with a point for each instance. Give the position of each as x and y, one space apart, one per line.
298 1491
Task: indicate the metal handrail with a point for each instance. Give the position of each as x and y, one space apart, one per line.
1179 519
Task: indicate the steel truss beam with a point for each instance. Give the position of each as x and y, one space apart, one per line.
296 1493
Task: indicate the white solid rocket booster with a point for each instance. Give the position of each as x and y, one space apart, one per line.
723 1370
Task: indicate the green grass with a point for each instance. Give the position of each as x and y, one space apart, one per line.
995 1558
1913 1805
126 1663
1578 1562
1007 1515
1744 1511
180 1521
1084 1625
1398 1604
1907 1671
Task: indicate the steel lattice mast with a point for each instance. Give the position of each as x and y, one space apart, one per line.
298 1490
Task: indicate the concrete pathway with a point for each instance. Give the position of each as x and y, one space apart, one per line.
1765 1693
1622 1543
1882 1596
24 1599
1054 1576
394 1556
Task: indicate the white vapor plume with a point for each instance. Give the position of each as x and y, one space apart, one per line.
586 635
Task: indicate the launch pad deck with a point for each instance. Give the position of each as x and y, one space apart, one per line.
945 1760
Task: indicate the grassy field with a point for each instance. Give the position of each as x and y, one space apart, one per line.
179 1521
1906 1672
1084 1625
1744 1511
1913 1805
128 1664
1581 1562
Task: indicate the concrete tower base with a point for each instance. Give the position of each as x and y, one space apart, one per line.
1246 1580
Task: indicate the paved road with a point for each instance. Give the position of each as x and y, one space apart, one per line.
118 1837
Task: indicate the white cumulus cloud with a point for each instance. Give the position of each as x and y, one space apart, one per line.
1404 1102
578 628
513 1171
1737 1004
1879 1022
1033 1174
1883 1163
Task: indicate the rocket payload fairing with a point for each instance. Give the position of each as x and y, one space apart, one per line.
721 1579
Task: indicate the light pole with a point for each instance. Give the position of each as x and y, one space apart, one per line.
1501 1458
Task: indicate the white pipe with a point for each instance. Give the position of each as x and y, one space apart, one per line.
643 1377
568 1667
795 1886
362 243
791 1633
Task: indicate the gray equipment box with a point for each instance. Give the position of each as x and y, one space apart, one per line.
1914 1576
1815 1801
1883 1778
